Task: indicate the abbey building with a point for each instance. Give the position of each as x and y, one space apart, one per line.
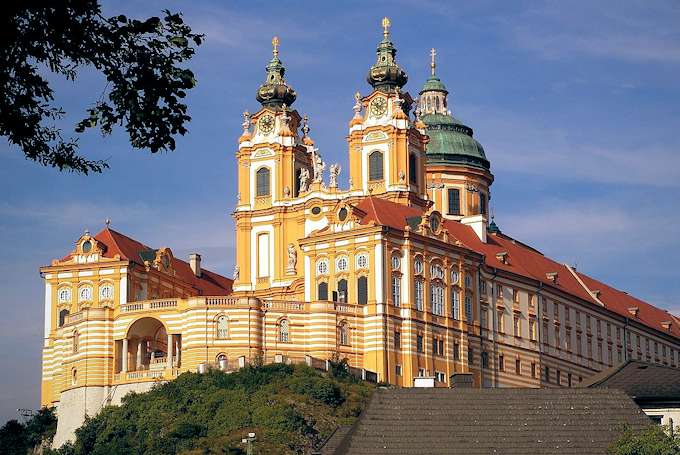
402 272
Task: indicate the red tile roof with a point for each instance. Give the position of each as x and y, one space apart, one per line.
209 283
525 261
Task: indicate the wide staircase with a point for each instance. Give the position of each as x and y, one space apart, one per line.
488 421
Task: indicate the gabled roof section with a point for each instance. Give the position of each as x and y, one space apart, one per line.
641 381
210 283
528 262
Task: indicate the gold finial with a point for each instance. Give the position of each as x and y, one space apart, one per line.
432 62
386 26
275 46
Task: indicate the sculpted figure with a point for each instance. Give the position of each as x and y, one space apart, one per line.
335 171
237 272
292 260
304 179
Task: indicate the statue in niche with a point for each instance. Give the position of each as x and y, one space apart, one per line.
304 179
237 272
335 171
292 260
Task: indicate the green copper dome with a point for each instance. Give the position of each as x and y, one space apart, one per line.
451 142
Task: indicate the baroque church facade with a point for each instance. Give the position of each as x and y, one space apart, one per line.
403 273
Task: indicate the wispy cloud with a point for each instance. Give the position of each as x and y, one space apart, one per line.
629 31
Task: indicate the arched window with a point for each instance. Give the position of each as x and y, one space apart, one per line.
343 334
323 291
64 295
62 317
362 290
375 165
284 334
76 341
221 326
263 187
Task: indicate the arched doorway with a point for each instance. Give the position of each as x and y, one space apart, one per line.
148 346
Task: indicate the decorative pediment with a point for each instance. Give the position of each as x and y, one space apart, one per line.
160 259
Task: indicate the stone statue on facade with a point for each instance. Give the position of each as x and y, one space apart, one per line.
319 166
292 260
335 171
237 272
304 179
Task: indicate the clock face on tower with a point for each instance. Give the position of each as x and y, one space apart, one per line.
378 107
266 124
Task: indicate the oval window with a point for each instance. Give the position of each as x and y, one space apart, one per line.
87 246
342 214
316 210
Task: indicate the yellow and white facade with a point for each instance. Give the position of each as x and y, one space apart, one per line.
388 273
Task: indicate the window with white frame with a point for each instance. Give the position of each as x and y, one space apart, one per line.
396 262
455 303
362 261
418 290
341 264
468 308
322 267
284 331
396 290
437 299
440 376
85 294
418 266
455 276
468 281
436 272
64 295
106 292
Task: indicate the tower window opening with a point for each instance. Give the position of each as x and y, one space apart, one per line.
454 201
375 166
412 169
263 186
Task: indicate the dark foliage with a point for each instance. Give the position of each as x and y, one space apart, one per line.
290 408
655 440
18 438
141 60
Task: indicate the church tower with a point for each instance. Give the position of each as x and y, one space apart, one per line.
271 157
458 172
386 149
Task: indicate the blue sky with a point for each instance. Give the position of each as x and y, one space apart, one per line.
576 103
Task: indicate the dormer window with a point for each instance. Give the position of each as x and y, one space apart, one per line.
634 311
552 276
87 246
502 257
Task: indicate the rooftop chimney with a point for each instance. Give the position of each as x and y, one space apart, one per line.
195 264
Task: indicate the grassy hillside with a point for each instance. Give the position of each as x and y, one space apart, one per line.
290 408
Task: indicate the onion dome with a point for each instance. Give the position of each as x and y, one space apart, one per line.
385 75
451 141
274 93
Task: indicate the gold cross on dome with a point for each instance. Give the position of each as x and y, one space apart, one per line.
275 46
386 26
433 53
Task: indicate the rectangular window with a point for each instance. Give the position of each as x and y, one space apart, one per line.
397 369
397 340
590 347
579 345
440 343
610 356
500 322
532 329
569 379
418 289
454 201
545 334
518 367
437 299
499 292
546 374
558 337
515 295
533 370
483 317
421 372
501 362
456 351
471 356
263 255
439 376
482 203
396 290
419 343
482 287
558 377
468 309
362 290
455 304
412 169
517 330
485 360
567 336
532 301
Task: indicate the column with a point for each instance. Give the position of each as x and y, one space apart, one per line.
177 352
169 364
139 355
124 358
